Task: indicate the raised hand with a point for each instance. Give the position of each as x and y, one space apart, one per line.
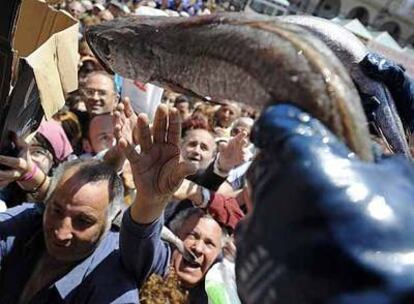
157 169
16 166
125 121
233 153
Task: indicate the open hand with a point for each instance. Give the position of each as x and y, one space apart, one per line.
157 169
233 153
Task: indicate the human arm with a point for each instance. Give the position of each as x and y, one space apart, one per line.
225 210
157 173
24 171
230 155
17 224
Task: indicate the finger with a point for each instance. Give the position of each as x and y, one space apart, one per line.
10 175
238 139
129 111
21 145
117 119
160 124
144 133
13 162
118 132
135 135
174 127
120 116
120 107
4 183
128 150
183 170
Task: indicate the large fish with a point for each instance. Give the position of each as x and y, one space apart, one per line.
375 96
231 56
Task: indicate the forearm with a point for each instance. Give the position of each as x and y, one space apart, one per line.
142 250
146 211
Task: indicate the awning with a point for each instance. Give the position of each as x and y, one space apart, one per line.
386 39
354 26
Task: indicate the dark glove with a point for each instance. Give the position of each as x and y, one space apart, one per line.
326 227
398 82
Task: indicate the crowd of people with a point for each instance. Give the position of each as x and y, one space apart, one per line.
102 180
85 204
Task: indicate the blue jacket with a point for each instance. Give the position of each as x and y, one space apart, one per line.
111 274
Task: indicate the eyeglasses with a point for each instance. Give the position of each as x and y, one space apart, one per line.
90 93
38 151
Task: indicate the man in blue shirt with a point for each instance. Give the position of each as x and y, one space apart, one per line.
69 250
65 250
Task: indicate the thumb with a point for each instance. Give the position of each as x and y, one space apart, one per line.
128 150
221 146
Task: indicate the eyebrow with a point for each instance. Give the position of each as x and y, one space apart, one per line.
88 214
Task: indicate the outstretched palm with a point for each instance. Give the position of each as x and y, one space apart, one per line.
155 172
157 168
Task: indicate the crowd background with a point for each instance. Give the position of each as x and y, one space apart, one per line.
91 138
215 138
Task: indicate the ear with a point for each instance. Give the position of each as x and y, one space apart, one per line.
86 146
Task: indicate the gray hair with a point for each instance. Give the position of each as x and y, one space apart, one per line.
243 120
88 171
178 221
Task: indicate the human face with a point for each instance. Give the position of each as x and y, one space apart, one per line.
99 94
226 115
75 218
101 133
42 157
202 236
76 9
199 148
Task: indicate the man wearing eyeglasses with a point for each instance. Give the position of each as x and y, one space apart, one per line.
99 93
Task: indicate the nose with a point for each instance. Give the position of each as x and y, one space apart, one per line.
195 150
198 247
95 95
64 232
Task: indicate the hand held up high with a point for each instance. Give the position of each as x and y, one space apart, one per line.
157 169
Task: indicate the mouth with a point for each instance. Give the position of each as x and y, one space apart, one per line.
190 259
194 159
59 245
96 107
191 265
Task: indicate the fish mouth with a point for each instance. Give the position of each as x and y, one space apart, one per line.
93 40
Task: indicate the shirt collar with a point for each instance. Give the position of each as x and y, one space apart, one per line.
74 278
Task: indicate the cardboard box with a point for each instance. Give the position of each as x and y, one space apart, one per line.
47 40
40 52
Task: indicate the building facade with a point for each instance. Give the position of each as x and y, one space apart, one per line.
394 16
